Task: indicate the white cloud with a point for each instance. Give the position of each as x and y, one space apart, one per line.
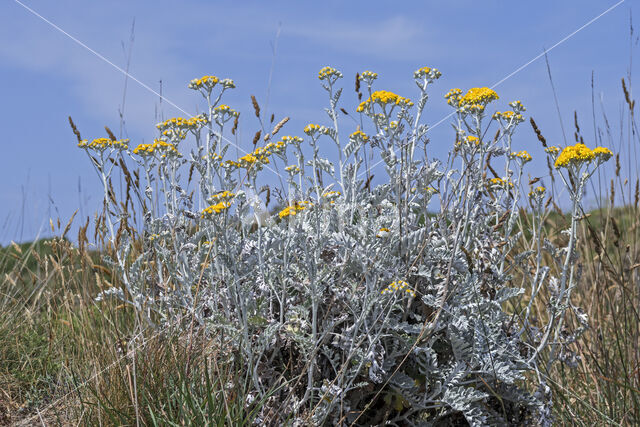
396 37
98 86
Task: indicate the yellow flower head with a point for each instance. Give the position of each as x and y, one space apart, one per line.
517 106
182 124
398 285
574 155
522 155
470 141
499 182
478 95
227 84
215 209
311 129
329 73
453 97
383 232
537 192
295 140
602 153
294 209
230 165
292 169
213 156
223 109
331 194
248 160
473 140
383 97
101 144
430 74
510 117
368 76
206 82
359 136
222 196
162 148
143 150
553 150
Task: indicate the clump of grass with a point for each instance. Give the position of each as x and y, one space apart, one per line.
169 379
603 387
66 358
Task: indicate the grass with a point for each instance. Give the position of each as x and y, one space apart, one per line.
607 378
66 358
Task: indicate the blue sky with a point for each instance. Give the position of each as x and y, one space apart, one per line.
45 76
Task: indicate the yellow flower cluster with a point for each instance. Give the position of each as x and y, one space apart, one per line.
227 84
453 97
207 82
275 147
517 106
359 136
101 144
522 155
164 148
215 209
553 150
175 135
500 182
222 196
213 156
579 153
474 101
311 129
328 72
294 209
368 76
398 285
602 153
427 73
478 95
508 116
471 141
384 97
222 109
296 140
537 192
249 159
292 169
383 232
180 123
260 155
574 155
331 194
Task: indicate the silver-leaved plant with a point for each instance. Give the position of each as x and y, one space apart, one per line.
407 303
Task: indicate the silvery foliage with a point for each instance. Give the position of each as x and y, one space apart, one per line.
299 300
